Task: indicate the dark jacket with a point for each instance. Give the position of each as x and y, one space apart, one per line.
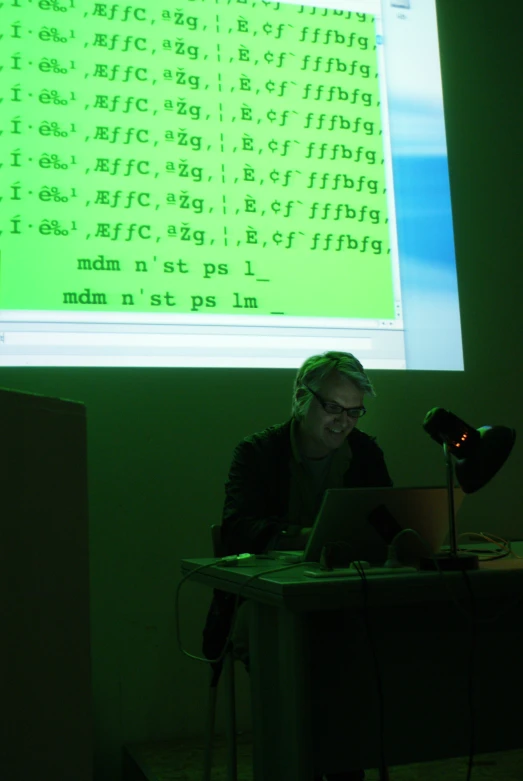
257 502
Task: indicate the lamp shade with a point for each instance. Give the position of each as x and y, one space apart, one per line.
488 457
479 453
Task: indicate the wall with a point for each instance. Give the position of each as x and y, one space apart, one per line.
160 441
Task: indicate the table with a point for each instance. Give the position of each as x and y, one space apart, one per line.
315 700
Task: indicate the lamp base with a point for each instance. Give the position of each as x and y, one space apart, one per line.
449 563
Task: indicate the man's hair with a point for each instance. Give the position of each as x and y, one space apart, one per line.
317 367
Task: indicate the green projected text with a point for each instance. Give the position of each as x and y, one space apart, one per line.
217 157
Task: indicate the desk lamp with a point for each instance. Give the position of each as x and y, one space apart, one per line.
479 454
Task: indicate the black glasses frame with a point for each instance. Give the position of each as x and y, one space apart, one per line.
352 412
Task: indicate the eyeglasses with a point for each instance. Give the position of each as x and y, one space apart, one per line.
336 409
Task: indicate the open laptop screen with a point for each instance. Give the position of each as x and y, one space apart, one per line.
364 521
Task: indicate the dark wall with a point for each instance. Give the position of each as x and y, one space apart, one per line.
160 440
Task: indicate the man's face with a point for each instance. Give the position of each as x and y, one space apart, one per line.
320 431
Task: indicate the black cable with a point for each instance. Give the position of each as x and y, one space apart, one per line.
383 770
473 627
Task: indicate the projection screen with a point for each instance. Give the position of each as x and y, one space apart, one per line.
225 183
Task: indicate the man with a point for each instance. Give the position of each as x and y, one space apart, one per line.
278 477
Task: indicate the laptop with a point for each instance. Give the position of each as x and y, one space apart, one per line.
364 521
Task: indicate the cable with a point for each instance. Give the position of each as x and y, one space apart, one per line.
474 621
471 617
299 564
441 573
383 770
470 687
236 605
504 544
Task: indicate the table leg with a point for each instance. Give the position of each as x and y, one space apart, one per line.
264 676
297 739
279 665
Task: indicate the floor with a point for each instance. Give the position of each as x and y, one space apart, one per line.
183 761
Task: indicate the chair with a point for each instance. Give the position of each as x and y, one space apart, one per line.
227 665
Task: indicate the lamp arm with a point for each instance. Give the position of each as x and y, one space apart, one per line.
450 491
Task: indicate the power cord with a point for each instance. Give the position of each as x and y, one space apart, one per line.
470 686
472 620
472 617
505 545
502 612
226 560
383 769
